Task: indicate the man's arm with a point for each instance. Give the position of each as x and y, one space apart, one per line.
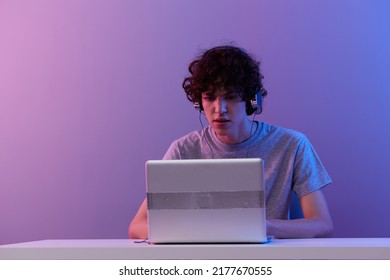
316 222
138 228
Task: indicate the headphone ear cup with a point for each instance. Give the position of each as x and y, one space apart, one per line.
259 97
256 103
198 106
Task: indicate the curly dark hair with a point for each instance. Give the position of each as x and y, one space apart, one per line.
226 67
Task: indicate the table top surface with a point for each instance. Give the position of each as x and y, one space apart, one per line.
316 248
127 243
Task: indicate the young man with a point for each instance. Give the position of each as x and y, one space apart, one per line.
225 83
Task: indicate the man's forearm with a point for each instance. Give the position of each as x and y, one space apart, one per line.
299 228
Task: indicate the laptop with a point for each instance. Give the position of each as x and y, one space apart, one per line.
206 201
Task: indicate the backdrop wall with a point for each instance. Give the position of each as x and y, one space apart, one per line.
90 90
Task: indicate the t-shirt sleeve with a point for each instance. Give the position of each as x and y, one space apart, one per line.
309 172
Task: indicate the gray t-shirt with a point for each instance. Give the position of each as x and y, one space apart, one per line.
290 162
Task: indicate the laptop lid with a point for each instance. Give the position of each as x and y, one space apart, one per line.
206 201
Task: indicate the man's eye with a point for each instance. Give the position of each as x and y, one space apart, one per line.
208 97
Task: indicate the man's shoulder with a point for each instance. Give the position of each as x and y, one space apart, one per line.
275 131
190 137
186 147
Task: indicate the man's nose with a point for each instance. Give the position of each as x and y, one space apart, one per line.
220 105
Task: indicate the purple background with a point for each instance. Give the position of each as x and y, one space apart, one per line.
90 90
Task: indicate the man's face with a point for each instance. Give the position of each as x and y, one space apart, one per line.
226 113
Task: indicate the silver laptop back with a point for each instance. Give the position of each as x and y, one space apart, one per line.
206 201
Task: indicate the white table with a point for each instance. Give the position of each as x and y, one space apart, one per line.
125 249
